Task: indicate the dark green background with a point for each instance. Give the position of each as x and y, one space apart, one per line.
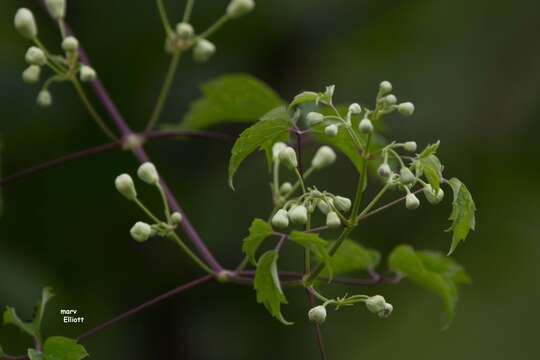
472 69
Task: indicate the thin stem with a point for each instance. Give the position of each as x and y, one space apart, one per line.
164 18
165 89
374 201
149 213
318 332
384 207
300 179
191 254
215 26
166 209
188 11
280 243
207 135
99 121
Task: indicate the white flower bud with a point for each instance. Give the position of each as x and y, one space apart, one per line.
238 8
342 203
410 146
184 30
285 188
35 56
432 197
375 304
277 147
406 176
406 108
280 219
25 23
288 157
141 231
386 312
385 87
147 172
203 50
324 207
384 171
317 314
365 126
313 118
31 74
176 218
325 156
70 44
411 201
87 74
333 220
57 8
355 108
44 98
125 186
331 130
298 214
390 100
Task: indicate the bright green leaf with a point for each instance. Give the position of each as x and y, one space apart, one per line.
444 265
11 317
429 150
268 286
352 256
429 165
316 244
46 295
233 97
36 355
462 216
306 96
273 127
258 231
61 348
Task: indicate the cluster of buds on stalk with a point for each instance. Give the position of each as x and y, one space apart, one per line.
64 67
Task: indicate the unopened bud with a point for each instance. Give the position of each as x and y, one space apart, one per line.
355 108
385 87
285 188
125 186
313 118
410 146
411 201
280 219
431 196
57 8
375 304
70 44
87 74
384 170
324 207
44 98
141 231
406 108
406 176
277 147
386 312
288 157
365 126
31 74
147 172
176 218
203 50
325 156
298 214
342 203
333 220
35 56
25 23
317 314
331 130
184 30
390 100
238 8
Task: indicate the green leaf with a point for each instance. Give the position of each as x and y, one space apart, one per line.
233 97
462 216
352 256
258 232
36 355
11 317
431 272
46 295
429 165
61 348
268 286
314 243
429 150
306 96
273 127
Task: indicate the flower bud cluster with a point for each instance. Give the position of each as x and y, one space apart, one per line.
378 305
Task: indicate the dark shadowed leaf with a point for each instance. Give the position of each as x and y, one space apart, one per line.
352 256
314 243
11 318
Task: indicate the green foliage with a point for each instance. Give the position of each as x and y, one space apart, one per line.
233 97
268 287
314 243
303 97
46 295
431 271
59 348
1 197
352 256
11 318
273 127
462 216
427 164
258 232
2 353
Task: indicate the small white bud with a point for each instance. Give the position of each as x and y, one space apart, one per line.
412 202
147 172
87 74
432 197
277 147
390 100
44 98
385 87
324 207
355 108
410 146
386 312
384 171
288 157
141 231
375 304
238 8
313 118
280 219
298 214
125 186
331 130
203 50
342 203
184 30
70 44
285 188
25 23
325 156
406 176
365 126
35 56
333 220
406 108
317 314
176 218
31 74
57 8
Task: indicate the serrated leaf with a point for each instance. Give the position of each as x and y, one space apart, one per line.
316 244
429 150
462 216
258 232
46 295
11 318
352 256
432 169
429 272
273 127
62 348
444 265
303 97
233 97
268 286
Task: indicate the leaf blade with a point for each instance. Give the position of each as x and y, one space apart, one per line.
62 348
258 232
463 213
